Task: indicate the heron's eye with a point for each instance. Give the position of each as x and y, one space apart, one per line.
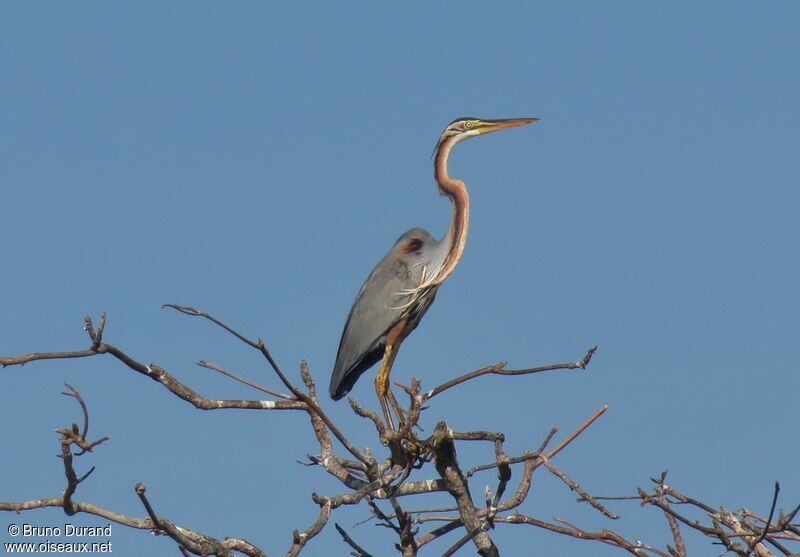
468 124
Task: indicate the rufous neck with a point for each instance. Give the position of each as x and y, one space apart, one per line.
456 190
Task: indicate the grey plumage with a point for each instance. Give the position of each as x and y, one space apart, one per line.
383 300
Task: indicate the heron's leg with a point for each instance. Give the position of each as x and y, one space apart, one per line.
382 384
387 388
394 337
393 401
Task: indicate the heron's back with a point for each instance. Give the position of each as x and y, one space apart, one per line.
386 297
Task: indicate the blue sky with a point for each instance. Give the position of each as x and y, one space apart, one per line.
257 160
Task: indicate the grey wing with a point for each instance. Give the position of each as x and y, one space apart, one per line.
384 298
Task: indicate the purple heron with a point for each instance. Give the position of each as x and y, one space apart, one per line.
402 286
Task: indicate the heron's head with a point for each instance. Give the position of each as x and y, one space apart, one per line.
464 128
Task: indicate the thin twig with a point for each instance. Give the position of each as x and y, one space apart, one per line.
499 369
359 551
262 348
243 380
589 421
573 485
769 518
77 396
517 459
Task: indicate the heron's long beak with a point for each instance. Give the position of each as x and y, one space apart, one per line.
488 126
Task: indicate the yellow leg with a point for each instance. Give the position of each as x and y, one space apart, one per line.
382 384
382 387
393 401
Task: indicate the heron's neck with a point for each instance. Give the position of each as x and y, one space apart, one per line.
456 190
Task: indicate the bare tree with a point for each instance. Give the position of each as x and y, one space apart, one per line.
381 478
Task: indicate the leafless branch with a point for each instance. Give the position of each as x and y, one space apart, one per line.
573 485
300 539
243 380
191 541
769 518
188 540
680 548
261 347
447 465
499 369
400 468
358 550
581 428
605 536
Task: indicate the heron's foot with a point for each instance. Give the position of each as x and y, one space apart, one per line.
407 450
